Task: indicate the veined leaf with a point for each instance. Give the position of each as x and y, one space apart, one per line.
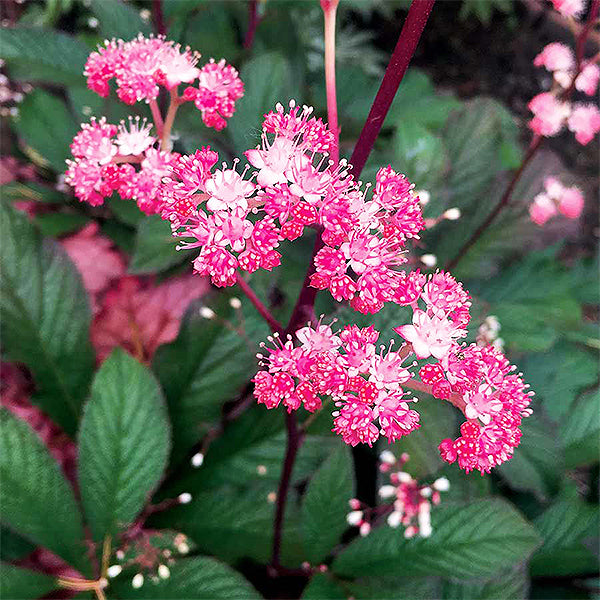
473 540
45 317
23 584
123 444
37 502
117 19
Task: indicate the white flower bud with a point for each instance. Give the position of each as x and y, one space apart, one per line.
452 214
429 260
163 572
114 570
197 460
426 492
185 498
354 518
387 491
394 519
442 484
404 477
387 457
137 582
207 313
261 470
235 303
183 548
365 529
424 197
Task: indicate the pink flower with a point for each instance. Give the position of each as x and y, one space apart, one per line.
549 114
135 139
587 80
541 209
584 122
569 8
430 335
571 202
228 190
555 57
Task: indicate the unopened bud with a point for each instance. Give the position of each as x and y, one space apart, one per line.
452 214
365 529
394 519
387 491
429 260
354 518
184 498
137 582
261 470
424 197
442 484
387 457
197 460
235 303
163 572
114 570
207 313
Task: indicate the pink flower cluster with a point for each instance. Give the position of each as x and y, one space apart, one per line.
556 198
238 220
493 398
364 382
140 66
411 501
105 160
551 112
368 385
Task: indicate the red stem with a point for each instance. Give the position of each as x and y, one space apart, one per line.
159 19
253 21
264 312
418 14
533 147
329 10
304 308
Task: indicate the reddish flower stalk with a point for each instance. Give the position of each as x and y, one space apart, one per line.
418 14
159 19
329 11
170 118
253 21
264 312
401 57
536 142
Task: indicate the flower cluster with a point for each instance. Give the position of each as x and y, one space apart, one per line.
368 385
494 400
140 66
105 160
556 198
238 220
364 382
551 110
411 504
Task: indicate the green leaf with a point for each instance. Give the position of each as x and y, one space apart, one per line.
420 155
56 224
200 577
44 124
37 502
538 462
395 588
117 19
42 54
31 191
580 431
322 587
559 374
472 540
326 504
228 522
45 317
12 546
123 444
22 584
155 247
207 365
564 527
128 212
512 584
212 32
267 80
